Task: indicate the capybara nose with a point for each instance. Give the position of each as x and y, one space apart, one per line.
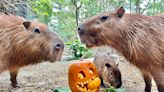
58 46
118 84
80 30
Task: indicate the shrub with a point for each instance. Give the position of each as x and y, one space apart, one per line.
79 50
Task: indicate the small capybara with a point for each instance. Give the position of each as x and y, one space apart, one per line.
26 43
139 38
108 70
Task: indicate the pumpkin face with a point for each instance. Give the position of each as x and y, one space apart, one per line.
83 77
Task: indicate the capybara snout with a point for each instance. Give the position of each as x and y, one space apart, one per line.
118 81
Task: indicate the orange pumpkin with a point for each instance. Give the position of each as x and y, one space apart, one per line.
83 77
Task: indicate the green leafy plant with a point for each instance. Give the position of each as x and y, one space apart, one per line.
79 50
63 89
112 89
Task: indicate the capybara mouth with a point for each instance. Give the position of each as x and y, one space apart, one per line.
89 45
52 61
92 42
90 85
57 59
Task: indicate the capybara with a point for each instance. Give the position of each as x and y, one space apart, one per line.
139 38
26 43
108 70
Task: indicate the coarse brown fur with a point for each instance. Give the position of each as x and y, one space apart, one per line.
108 70
26 43
138 37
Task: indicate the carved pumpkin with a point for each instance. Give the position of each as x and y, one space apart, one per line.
83 77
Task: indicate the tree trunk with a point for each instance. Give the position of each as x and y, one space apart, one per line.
77 16
138 6
77 8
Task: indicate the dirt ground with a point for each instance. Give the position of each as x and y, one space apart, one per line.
45 77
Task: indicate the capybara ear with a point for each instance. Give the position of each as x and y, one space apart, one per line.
117 64
120 12
26 24
107 65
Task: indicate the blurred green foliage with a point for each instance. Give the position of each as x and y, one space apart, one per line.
43 9
64 15
79 50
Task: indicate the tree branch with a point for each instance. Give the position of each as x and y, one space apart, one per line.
145 7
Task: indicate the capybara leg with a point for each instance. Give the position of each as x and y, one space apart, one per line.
159 79
102 83
148 81
160 85
13 77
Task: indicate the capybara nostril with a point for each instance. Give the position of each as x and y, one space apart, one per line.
58 46
80 30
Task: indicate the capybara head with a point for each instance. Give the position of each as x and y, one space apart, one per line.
46 42
95 30
108 71
27 42
112 75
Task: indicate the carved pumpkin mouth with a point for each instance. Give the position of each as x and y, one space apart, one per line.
90 85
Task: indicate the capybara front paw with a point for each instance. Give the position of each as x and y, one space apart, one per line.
15 85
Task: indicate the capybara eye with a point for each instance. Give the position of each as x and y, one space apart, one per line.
104 18
110 74
58 46
36 30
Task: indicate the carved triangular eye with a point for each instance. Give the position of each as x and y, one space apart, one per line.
36 30
81 75
91 71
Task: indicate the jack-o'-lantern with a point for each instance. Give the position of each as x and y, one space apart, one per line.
83 77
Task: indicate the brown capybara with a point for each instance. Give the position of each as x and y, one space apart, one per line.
26 43
139 38
108 70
